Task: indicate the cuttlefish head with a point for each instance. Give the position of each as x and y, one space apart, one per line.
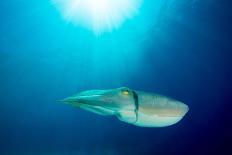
103 101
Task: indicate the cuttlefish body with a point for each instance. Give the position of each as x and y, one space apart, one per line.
131 106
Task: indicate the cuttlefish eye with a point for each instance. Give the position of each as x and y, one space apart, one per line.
125 92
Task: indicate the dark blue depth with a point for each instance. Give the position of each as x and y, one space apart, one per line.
184 55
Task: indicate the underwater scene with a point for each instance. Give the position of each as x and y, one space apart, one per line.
115 77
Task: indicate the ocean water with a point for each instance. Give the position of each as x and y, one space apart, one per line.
176 48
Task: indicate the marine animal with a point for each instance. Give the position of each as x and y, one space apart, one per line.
131 106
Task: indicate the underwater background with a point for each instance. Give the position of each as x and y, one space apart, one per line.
176 48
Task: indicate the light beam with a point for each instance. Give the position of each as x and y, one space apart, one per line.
98 15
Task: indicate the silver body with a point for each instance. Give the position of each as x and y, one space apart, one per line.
131 106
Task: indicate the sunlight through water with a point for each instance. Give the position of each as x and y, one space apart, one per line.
106 35
98 15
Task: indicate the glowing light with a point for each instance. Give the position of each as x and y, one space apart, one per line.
98 15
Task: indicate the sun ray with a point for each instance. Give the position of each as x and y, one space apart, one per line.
98 15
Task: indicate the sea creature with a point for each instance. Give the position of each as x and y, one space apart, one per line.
131 106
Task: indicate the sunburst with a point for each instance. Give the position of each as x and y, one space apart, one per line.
98 15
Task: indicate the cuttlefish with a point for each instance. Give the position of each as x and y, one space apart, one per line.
131 106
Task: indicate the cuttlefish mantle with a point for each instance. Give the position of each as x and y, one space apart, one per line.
131 106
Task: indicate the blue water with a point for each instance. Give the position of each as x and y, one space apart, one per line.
175 48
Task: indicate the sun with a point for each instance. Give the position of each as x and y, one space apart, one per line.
98 15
